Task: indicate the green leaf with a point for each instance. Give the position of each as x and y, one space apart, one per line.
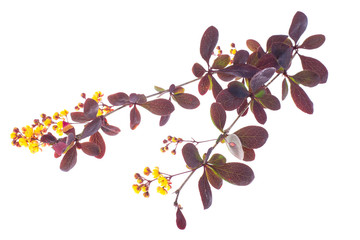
191 156
205 191
159 89
313 42
69 159
213 178
298 26
217 159
221 62
98 140
235 173
186 100
161 107
208 43
218 116
307 78
301 99
252 136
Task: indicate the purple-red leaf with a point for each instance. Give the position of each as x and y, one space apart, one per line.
313 42
118 99
205 191
229 101
240 57
208 43
218 116
69 159
284 89
221 62
91 128
240 70
238 89
78 117
274 39
91 108
204 84
258 111
252 136
186 100
59 147
216 88
213 179
135 118
217 159
249 154
253 45
282 53
48 138
180 219
307 78
298 26
137 98
314 65
161 107
260 78
110 129
198 70
267 61
90 148
301 99
270 101
235 173
98 140
164 120
191 156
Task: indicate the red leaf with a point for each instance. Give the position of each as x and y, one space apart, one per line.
216 88
91 108
69 159
213 179
118 99
186 100
249 154
98 140
284 89
198 70
235 173
252 136
301 99
180 219
313 42
298 26
164 120
135 118
191 156
208 43
48 138
205 191
253 45
218 116
90 148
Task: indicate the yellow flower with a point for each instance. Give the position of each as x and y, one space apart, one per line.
136 188
34 147
23 142
56 116
13 135
147 171
161 190
38 130
64 112
59 128
28 132
155 172
164 182
97 96
47 122
144 188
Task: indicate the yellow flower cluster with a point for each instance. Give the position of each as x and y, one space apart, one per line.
97 96
29 136
144 184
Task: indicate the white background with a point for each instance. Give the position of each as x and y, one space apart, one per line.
307 174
